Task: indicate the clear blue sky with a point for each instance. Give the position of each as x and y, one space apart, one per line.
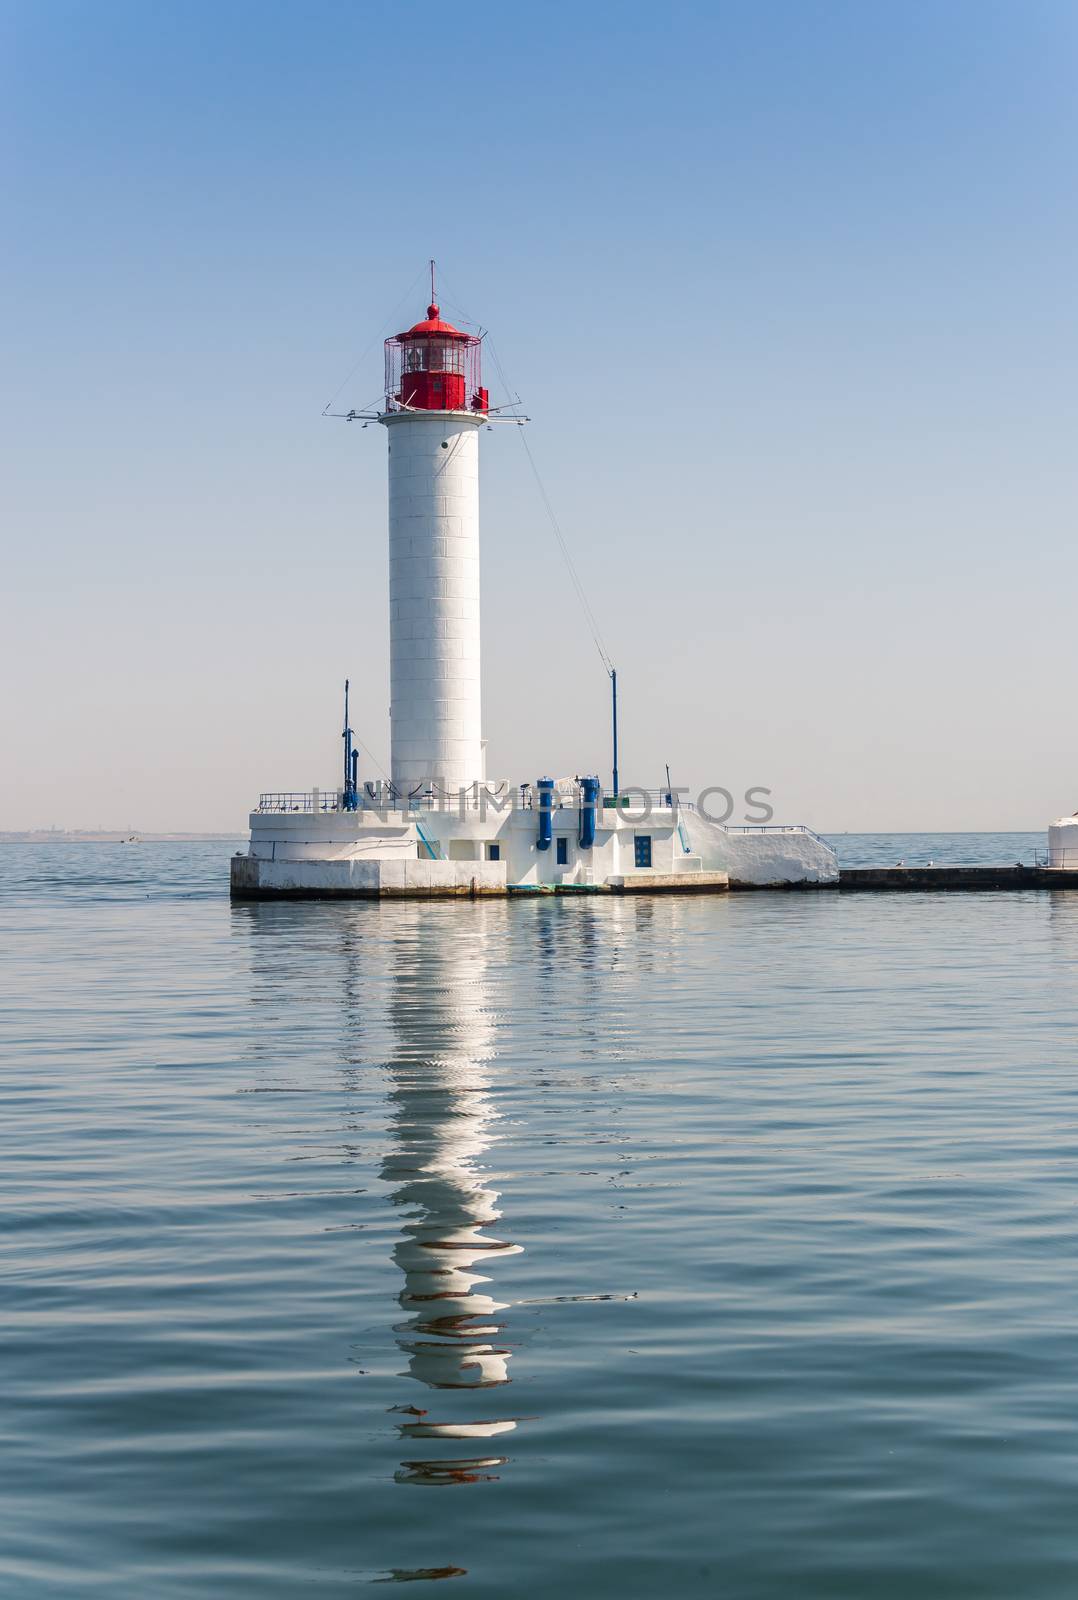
788 290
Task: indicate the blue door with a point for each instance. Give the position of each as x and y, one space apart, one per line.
643 849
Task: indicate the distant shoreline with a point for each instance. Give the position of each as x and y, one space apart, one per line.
105 837
135 836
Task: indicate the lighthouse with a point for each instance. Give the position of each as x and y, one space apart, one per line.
434 409
438 824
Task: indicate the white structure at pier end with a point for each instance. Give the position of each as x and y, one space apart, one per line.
440 827
1063 844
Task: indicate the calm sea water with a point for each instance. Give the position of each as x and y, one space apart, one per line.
588 1247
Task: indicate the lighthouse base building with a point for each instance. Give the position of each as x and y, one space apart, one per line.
637 846
439 826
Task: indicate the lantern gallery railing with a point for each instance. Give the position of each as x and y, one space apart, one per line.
435 367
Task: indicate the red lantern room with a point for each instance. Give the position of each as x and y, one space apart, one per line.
434 367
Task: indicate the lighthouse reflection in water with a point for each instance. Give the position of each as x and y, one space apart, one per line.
442 1117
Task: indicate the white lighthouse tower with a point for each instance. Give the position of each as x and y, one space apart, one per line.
435 407
440 826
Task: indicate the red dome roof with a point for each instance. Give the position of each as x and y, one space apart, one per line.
434 325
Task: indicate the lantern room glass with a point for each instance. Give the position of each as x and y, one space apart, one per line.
433 355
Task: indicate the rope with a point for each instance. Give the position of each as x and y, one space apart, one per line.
604 654
514 402
370 753
510 393
380 334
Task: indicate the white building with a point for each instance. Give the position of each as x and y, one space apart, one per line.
440 827
1063 844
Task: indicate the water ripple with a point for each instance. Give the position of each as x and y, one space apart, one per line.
694 1247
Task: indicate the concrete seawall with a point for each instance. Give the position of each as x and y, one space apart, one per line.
254 878
258 879
905 879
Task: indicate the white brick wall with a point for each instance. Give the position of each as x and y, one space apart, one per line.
435 710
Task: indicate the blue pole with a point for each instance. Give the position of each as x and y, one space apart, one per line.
545 787
590 790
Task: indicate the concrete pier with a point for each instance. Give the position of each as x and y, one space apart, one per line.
255 878
934 879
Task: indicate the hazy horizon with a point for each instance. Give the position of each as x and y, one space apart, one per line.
181 835
787 293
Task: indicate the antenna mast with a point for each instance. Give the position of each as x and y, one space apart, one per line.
612 673
351 762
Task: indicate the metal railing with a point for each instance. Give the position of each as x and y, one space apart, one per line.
658 799
329 800
449 803
775 827
1065 860
313 800
522 797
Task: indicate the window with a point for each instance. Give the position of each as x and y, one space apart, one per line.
643 849
562 845
494 852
